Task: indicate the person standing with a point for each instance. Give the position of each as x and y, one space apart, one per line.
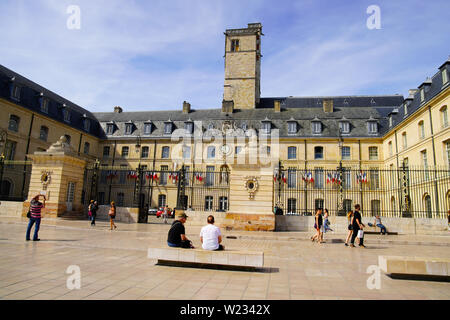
112 215
93 209
35 217
350 227
165 213
176 236
357 225
210 236
318 226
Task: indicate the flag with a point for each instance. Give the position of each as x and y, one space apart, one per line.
328 178
283 177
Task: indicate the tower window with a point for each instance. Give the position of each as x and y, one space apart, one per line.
235 45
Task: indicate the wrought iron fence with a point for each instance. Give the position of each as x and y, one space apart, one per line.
146 189
14 179
389 192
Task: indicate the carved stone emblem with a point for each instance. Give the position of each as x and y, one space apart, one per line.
251 185
45 179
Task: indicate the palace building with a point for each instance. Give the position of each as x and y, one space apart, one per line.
387 152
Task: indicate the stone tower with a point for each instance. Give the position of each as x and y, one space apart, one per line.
242 67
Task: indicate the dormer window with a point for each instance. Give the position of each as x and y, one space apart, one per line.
405 108
390 121
316 126
292 127
189 127
266 125
129 127
44 105
422 95
86 124
344 126
167 127
372 126
210 126
110 128
66 113
244 126
147 128
15 92
444 76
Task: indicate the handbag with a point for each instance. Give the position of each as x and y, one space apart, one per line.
360 234
29 214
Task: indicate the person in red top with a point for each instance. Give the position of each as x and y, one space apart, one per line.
35 216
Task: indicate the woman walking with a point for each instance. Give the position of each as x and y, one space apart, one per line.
350 228
326 222
318 226
35 217
93 207
112 215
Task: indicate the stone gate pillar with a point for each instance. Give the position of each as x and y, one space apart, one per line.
251 198
58 174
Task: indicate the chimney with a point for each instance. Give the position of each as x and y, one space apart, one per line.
227 106
277 106
186 107
327 105
117 109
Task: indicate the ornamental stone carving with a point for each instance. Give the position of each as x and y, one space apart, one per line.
251 185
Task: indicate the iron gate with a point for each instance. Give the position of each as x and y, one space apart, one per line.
402 192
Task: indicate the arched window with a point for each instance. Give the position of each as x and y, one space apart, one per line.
13 123
421 130
428 207
5 188
393 206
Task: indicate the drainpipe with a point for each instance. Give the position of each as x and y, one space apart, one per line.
26 152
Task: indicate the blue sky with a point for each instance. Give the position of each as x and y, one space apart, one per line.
152 55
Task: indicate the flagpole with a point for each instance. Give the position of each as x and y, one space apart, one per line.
341 211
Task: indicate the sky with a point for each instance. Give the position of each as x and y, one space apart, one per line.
153 55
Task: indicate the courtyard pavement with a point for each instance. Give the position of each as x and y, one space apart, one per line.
114 265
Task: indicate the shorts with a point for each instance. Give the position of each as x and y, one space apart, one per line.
350 227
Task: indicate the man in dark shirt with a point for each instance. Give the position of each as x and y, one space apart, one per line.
357 225
177 233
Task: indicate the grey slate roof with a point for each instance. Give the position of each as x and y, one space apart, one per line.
357 116
29 98
431 91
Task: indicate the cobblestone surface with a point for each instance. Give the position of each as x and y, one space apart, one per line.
114 265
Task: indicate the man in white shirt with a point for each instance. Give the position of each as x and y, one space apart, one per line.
210 236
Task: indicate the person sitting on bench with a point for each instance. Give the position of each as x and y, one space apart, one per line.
380 225
177 233
210 236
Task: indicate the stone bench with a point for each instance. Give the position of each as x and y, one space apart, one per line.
398 265
246 259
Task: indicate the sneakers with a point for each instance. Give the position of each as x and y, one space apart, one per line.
346 244
362 246
36 239
352 245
